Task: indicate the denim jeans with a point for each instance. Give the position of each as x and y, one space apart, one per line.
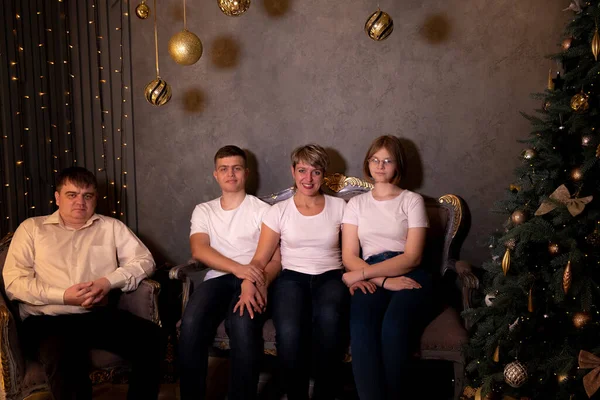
310 316
211 303
385 328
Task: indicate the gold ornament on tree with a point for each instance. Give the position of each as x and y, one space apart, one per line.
185 47
515 374
379 25
506 261
598 151
567 278
576 174
158 91
515 188
518 217
234 8
594 237
554 249
580 103
530 300
550 81
142 10
496 357
562 196
596 43
529 154
566 43
581 319
586 140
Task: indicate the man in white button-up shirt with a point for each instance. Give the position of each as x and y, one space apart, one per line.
62 268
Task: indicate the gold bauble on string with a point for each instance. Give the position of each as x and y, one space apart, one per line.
379 25
185 47
506 261
554 249
518 217
566 43
581 319
158 92
580 103
142 10
529 154
567 278
515 374
596 44
576 174
233 8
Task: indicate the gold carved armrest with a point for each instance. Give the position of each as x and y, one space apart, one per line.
11 357
143 301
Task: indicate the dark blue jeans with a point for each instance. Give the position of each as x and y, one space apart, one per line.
385 328
310 313
211 303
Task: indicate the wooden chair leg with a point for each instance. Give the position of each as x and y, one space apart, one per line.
459 377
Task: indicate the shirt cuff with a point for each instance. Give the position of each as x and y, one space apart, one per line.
116 279
56 296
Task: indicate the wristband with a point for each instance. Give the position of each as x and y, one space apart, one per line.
383 283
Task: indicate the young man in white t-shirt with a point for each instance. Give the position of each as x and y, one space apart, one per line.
224 234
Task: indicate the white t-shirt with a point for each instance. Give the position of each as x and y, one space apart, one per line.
383 224
309 244
233 233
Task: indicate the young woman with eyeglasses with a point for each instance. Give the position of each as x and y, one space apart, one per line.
390 292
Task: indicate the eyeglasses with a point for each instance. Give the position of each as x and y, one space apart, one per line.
376 161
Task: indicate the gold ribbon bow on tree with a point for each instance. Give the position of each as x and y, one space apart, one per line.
591 382
562 195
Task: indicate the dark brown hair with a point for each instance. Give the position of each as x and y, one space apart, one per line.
394 146
78 176
230 151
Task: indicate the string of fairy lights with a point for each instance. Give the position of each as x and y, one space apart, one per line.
66 101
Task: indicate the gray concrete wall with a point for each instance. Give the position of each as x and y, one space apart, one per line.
451 80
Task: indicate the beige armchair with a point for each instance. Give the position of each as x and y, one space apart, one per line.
20 377
445 335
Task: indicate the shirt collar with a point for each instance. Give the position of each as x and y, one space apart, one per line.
55 218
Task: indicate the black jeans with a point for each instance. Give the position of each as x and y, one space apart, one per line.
385 328
211 303
310 310
62 344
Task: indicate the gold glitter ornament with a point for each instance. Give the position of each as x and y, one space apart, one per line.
379 25
518 217
580 102
581 319
554 249
185 47
158 92
515 374
233 8
567 278
142 10
576 174
598 152
529 154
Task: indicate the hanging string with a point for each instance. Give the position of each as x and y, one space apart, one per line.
184 18
156 40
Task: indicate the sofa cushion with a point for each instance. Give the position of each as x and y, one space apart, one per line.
446 332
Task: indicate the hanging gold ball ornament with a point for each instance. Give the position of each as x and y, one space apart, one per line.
581 319
580 103
158 92
234 8
185 47
529 154
518 217
379 26
553 249
515 374
142 10
566 43
576 174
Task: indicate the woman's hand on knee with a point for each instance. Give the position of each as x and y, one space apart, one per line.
401 283
365 286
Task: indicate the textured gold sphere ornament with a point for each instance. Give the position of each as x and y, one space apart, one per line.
185 47
518 217
553 249
567 278
580 103
576 174
529 154
566 43
515 374
233 8
158 92
379 25
581 319
142 10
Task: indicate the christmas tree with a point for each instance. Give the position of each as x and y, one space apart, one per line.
537 334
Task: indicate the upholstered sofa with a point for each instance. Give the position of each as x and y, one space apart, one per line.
444 337
22 377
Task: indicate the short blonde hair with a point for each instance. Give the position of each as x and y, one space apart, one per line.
394 146
312 154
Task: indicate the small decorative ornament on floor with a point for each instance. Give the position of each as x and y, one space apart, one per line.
142 10
185 47
234 8
158 91
379 25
